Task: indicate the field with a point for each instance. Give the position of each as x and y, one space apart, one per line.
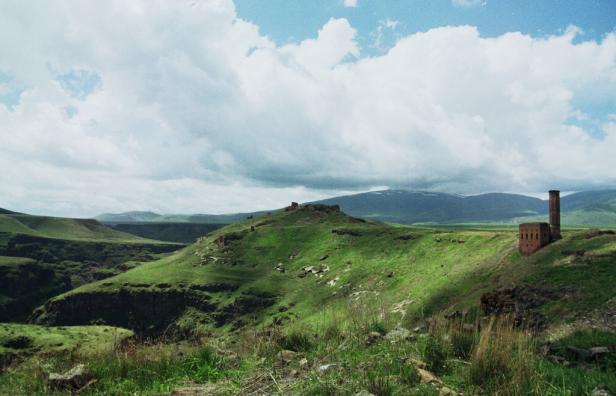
311 301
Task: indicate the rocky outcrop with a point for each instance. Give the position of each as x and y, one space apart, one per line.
148 311
518 303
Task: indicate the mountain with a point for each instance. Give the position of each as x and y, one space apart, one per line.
410 207
588 208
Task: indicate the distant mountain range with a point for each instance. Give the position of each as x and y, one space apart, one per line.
588 208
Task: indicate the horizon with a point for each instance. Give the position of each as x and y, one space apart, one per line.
541 196
221 106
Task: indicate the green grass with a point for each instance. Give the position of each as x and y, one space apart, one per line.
436 269
45 340
63 228
378 279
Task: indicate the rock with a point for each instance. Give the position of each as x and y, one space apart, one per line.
425 376
373 337
326 367
418 363
303 364
364 392
445 391
324 257
391 274
398 334
286 355
201 390
600 392
74 379
580 353
598 351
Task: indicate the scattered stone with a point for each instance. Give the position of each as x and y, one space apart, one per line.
391 274
303 363
408 237
600 392
364 392
324 257
76 378
418 363
445 391
399 334
426 377
346 232
286 355
595 351
373 337
201 390
326 367
579 353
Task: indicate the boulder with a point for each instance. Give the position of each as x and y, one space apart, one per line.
201 390
76 378
286 355
426 377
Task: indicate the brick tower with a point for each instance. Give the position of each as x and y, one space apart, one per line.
554 215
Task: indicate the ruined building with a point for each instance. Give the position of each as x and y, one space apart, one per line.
534 236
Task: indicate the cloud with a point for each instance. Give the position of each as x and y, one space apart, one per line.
468 3
193 110
350 3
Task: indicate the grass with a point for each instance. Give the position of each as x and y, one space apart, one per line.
64 228
18 341
373 277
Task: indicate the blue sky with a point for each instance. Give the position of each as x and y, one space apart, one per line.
294 20
214 106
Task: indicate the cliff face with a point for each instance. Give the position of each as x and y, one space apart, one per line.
147 311
25 285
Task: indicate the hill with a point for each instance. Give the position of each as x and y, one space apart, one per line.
312 301
151 217
43 256
316 257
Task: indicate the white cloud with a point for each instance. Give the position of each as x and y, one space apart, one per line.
195 111
468 3
350 3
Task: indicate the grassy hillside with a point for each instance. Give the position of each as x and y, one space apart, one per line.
18 341
63 228
234 276
311 301
151 217
44 256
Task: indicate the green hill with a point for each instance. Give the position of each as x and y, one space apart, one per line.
230 278
311 301
43 256
151 217
63 228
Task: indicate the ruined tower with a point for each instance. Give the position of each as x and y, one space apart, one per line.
534 236
554 215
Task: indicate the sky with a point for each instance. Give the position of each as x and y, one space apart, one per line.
216 106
